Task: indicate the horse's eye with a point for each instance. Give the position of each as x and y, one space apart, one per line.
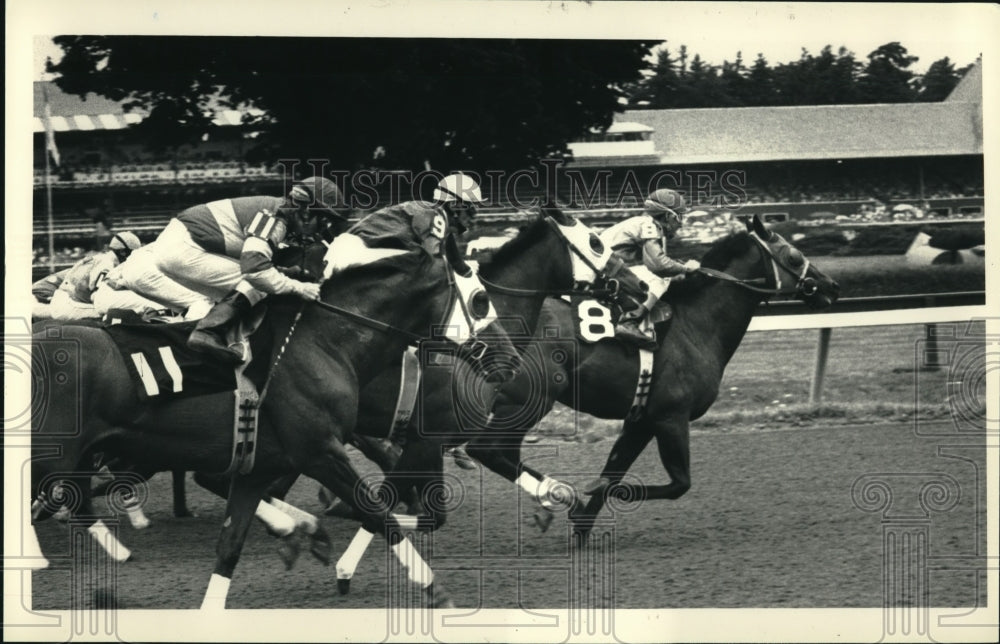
479 305
795 257
596 245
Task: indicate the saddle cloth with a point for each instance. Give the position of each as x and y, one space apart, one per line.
160 362
594 321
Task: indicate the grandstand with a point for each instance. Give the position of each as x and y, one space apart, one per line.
854 163
830 161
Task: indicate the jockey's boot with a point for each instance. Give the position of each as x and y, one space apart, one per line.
629 329
210 334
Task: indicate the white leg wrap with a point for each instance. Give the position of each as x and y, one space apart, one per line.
348 561
115 549
417 569
279 522
137 517
308 522
405 521
215 596
539 490
529 484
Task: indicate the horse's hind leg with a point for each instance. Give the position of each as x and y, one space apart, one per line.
179 487
633 439
279 524
244 495
334 470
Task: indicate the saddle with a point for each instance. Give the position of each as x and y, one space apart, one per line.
159 361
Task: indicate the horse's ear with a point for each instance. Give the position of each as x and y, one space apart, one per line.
761 229
550 210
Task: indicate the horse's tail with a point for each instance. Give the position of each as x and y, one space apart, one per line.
81 392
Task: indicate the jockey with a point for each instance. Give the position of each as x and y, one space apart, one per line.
224 249
431 226
73 299
641 243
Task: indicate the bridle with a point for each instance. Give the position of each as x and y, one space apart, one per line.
804 285
580 286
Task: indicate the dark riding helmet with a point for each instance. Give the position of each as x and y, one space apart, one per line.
319 195
666 203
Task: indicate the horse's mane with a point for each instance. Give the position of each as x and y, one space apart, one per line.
526 236
410 263
717 257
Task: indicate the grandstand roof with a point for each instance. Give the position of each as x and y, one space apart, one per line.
970 88
94 112
715 135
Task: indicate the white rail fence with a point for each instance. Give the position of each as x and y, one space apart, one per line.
874 311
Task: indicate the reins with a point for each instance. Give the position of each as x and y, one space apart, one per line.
750 284
609 292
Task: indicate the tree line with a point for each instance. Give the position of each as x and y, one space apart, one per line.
409 103
678 79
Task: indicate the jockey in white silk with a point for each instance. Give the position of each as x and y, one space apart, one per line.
641 242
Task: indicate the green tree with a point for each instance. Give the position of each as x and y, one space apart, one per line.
474 104
760 83
658 90
887 78
939 80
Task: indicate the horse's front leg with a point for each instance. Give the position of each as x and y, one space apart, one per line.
245 494
502 455
633 439
334 470
674 442
179 487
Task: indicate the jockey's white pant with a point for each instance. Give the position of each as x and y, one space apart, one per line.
657 285
64 307
142 278
107 298
209 274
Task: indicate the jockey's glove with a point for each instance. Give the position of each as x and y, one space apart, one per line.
306 291
692 265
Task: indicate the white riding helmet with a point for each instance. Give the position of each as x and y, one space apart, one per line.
458 187
124 241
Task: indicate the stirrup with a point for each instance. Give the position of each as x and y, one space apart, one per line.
207 343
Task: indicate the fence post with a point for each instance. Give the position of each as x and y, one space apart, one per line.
822 350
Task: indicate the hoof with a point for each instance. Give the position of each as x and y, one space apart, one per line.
543 519
343 586
320 547
436 598
340 509
595 486
288 550
463 460
141 524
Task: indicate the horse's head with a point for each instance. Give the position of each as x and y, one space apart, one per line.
420 295
788 272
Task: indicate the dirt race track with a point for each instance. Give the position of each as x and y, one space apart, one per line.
771 521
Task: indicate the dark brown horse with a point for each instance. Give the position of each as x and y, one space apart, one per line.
546 258
711 313
308 411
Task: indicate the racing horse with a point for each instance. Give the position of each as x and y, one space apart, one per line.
554 254
322 354
712 310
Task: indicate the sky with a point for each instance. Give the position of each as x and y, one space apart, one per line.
717 31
